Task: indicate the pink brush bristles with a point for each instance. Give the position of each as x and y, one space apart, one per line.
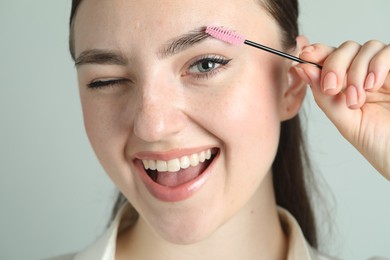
225 35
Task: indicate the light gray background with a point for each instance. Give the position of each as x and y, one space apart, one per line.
55 198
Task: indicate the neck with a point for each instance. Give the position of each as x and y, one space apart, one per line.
254 232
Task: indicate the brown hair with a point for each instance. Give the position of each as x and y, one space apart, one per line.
292 176
291 169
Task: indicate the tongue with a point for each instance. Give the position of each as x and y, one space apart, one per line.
173 179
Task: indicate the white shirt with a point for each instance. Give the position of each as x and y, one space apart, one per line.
104 247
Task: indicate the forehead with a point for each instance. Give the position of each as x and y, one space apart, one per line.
118 23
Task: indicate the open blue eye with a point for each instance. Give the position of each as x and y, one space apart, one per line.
206 65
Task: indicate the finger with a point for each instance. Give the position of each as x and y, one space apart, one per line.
316 53
358 76
378 71
335 109
336 66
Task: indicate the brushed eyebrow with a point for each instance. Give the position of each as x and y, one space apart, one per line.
183 42
98 56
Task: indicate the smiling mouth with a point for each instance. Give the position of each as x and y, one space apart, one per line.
178 171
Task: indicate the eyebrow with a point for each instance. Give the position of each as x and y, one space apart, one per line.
172 47
183 42
97 56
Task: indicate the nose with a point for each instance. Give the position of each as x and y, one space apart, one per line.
159 115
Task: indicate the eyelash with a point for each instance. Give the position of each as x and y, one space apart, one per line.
219 61
213 59
99 84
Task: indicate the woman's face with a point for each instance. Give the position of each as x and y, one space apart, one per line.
155 96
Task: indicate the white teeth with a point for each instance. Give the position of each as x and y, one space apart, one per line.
146 164
194 160
208 154
176 164
162 166
202 157
152 165
184 162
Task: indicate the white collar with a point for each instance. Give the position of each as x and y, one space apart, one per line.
298 247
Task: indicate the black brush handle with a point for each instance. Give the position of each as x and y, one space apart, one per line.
280 53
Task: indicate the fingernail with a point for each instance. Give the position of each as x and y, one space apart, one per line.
352 96
307 49
370 81
330 81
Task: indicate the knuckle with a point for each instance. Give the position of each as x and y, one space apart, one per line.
374 44
318 45
350 44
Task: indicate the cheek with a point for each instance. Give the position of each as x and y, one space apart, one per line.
245 118
96 121
106 131
254 126
245 110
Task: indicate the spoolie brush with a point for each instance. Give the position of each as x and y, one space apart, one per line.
234 38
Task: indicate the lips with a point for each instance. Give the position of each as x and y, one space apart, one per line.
170 178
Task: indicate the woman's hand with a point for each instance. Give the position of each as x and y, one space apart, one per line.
353 89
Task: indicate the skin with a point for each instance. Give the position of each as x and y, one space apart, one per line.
358 102
255 91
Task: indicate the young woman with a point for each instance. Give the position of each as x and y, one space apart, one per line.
202 138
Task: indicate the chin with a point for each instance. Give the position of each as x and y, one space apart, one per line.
185 229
